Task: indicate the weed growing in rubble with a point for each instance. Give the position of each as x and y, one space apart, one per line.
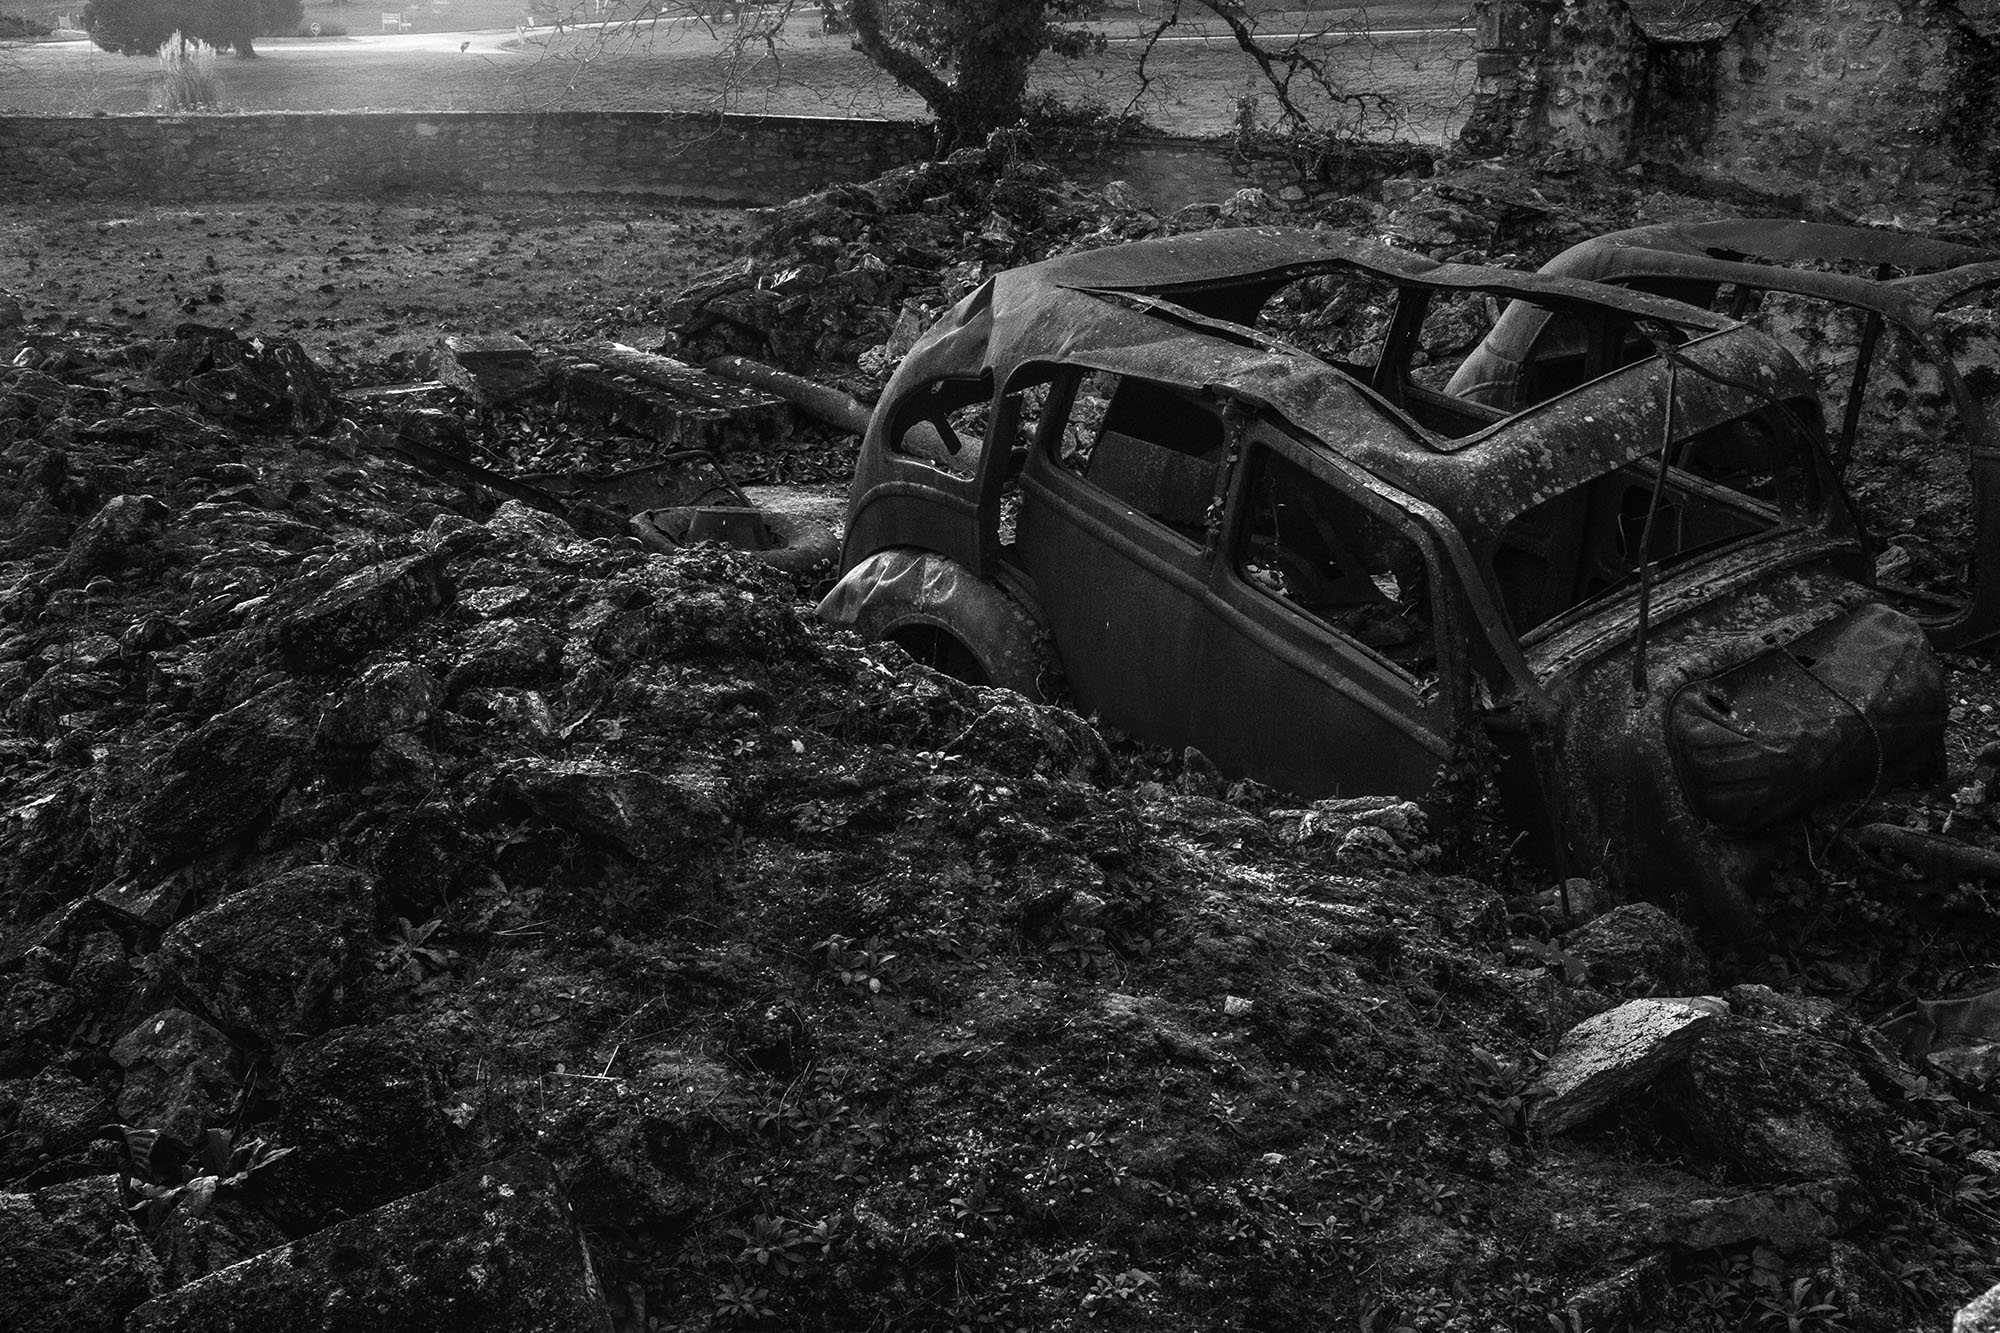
774 1244
158 1175
739 1301
1799 1308
1113 1291
1500 1084
1746 1290
863 964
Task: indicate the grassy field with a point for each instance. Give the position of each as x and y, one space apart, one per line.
1421 81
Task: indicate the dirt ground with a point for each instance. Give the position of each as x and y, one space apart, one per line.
359 283
841 994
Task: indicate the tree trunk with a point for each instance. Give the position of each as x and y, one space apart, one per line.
992 86
244 49
990 67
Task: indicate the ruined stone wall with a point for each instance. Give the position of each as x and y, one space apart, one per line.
1853 101
737 159
1836 93
1593 71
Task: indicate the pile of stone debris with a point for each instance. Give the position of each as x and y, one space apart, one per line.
355 810
855 272
270 692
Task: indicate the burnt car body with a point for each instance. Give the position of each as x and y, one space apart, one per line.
1888 281
1325 575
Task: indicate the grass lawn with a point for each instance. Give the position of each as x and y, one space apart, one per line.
1191 87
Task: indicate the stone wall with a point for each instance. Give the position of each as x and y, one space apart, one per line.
1844 101
1838 92
733 159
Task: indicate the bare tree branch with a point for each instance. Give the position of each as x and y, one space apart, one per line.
1283 64
902 65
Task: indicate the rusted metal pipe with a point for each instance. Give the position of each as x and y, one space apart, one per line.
1934 854
816 400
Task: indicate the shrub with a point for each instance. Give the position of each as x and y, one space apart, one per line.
188 74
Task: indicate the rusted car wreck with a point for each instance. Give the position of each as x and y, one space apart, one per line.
1326 572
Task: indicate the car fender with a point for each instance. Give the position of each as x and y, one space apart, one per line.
903 587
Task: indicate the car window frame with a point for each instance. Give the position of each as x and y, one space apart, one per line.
1445 702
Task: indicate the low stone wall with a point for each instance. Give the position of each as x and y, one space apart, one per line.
731 159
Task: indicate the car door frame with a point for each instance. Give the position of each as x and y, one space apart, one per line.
1244 619
1133 660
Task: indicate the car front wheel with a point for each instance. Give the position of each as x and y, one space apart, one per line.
946 617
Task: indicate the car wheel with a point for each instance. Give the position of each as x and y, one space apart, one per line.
948 618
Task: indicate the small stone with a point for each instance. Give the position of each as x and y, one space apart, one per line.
1977 1064
1795 1219
1614 1054
152 903
180 1074
1329 822
649 816
388 697
362 1107
404 761
363 611
1777 1103
59 1112
35 1016
493 368
1982 1316
110 539
1638 949
223 777
1235 1006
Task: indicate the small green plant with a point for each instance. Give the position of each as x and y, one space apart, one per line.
739 1301
864 965
1503 1085
1799 1308
974 1211
774 1244
1552 956
410 949
158 1174
1114 1291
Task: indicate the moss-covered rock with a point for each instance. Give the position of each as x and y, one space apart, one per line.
71 1259
276 961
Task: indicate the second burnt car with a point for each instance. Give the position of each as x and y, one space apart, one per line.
1904 331
1326 573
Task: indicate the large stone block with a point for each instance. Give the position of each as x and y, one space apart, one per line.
71 1259
1616 1053
494 1249
274 962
